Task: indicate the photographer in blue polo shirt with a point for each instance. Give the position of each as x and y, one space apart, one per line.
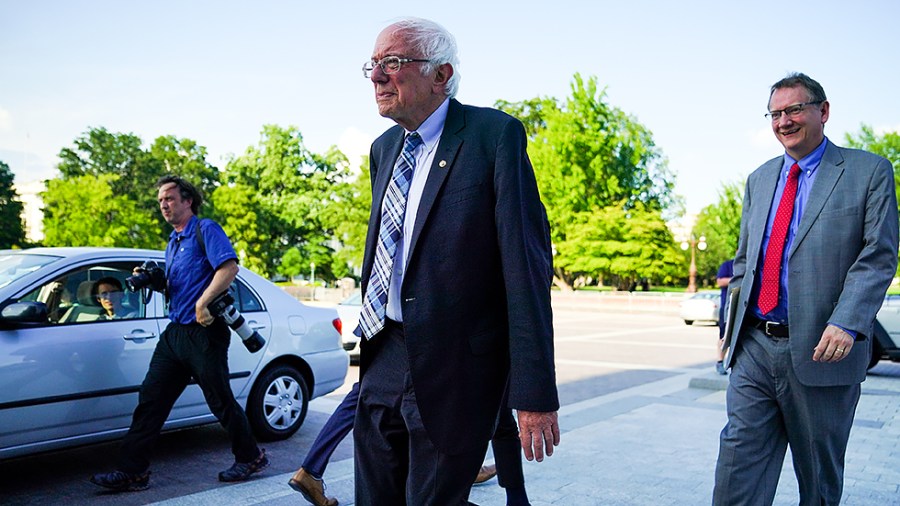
194 344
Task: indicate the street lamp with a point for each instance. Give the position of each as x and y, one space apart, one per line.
694 244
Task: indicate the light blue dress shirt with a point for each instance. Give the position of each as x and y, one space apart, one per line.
808 166
430 130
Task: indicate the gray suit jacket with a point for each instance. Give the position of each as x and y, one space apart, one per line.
840 265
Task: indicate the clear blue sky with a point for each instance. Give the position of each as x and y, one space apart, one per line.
696 73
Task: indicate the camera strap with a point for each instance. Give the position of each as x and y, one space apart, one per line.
201 243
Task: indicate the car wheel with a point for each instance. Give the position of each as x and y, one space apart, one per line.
277 404
689 322
876 354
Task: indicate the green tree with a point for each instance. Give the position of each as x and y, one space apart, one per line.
84 211
720 223
350 216
587 156
622 246
247 223
12 233
99 152
294 188
291 263
132 173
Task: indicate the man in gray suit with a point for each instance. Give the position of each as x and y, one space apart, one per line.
818 249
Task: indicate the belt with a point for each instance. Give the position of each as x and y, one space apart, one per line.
769 328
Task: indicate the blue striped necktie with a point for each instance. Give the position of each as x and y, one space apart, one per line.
393 210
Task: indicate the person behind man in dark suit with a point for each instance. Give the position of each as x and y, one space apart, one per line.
723 277
817 251
455 280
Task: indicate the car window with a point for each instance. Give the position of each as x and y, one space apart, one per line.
245 299
89 294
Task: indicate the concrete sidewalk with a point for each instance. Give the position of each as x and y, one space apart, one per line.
653 444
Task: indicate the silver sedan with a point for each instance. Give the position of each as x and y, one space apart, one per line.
74 350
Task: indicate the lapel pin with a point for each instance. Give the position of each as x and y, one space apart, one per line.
442 164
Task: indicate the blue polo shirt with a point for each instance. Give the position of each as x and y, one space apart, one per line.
187 271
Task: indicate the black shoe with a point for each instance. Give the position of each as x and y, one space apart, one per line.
240 471
122 481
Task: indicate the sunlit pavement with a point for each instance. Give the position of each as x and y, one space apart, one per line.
654 443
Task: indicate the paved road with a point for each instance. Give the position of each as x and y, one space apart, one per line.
641 416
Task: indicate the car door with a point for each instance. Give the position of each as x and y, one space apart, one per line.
242 365
78 375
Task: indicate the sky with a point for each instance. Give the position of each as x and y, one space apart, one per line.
695 73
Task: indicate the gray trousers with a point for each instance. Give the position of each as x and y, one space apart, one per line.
769 409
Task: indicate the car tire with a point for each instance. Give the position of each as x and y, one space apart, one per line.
689 322
877 352
277 404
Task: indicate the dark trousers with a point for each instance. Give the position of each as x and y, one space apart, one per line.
508 451
183 352
396 462
506 444
333 432
769 409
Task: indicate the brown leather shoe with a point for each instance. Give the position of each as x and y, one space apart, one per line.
313 490
486 473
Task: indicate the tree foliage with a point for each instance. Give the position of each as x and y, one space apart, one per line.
589 156
84 211
294 189
291 263
720 223
351 218
623 245
100 152
12 233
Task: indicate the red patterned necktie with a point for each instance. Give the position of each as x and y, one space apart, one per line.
771 275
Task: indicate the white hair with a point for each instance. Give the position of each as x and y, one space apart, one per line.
436 44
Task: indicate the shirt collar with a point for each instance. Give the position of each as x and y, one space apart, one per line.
430 129
810 162
186 232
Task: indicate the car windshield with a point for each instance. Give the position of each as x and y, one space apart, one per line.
15 265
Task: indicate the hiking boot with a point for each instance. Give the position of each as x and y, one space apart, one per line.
122 481
240 471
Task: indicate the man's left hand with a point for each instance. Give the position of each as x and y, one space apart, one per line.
834 345
538 433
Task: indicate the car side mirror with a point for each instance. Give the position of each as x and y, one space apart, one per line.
24 312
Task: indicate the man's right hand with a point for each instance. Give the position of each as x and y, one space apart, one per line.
538 433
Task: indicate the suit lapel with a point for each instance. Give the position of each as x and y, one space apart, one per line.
444 157
767 184
386 168
827 175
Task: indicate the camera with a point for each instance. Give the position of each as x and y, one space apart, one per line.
149 275
222 306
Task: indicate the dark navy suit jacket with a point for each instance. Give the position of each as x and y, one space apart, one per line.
476 292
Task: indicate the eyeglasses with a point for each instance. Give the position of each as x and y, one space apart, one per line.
792 111
107 295
388 64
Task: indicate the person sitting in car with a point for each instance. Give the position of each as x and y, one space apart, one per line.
109 294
